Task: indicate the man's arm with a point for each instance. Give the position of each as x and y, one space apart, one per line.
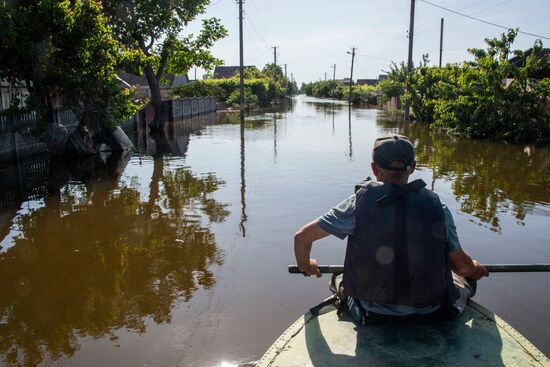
303 240
463 265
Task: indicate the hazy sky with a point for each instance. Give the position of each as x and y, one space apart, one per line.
311 35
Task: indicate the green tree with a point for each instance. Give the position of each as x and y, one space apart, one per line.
64 49
153 29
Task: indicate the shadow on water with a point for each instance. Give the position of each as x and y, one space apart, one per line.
489 178
104 253
467 341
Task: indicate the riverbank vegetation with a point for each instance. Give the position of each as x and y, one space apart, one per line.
489 97
66 55
64 50
261 88
360 94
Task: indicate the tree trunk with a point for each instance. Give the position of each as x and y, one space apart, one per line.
154 86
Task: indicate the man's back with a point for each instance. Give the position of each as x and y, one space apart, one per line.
397 252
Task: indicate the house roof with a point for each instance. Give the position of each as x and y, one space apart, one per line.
223 72
520 61
136 80
367 81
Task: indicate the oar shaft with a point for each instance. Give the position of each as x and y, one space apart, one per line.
492 268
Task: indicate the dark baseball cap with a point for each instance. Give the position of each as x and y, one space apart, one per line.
393 148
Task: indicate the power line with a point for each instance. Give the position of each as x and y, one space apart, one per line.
483 21
257 34
395 9
423 29
266 30
258 55
214 3
257 26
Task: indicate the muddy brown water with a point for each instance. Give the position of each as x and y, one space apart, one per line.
177 255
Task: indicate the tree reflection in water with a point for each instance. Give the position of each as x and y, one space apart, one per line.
488 178
97 258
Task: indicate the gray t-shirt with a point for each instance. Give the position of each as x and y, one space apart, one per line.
340 222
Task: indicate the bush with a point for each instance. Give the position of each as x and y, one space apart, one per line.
266 90
487 98
250 99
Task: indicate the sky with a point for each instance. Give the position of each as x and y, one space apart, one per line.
312 35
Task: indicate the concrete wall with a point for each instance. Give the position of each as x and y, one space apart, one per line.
16 140
393 104
188 107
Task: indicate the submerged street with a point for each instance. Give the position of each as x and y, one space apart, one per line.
178 254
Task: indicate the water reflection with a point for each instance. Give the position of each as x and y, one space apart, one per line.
349 134
488 178
243 180
96 256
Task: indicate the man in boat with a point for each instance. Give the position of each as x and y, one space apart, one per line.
402 244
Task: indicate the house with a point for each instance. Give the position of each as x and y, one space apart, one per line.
344 81
520 61
167 82
372 82
225 72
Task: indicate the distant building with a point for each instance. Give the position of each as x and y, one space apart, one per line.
344 81
225 72
521 60
167 79
167 82
372 82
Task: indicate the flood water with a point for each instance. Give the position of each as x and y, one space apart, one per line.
177 255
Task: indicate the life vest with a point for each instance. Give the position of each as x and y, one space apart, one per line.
397 253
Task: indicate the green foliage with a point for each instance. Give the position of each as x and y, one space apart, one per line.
393 85
360 94
258 83
64 48
152 29
487 98
250 99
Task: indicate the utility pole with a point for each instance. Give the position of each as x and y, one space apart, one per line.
285 71
274 62
441 43
274 55
334 72
352 53
410 61
325 76
241 60
195 73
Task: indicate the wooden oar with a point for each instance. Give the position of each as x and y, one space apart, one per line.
492 268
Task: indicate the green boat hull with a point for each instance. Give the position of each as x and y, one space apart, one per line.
476 338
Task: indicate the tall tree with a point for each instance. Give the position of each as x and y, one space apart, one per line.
154 29
64 49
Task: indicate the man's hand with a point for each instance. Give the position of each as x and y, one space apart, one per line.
463 265
479 271
303 240
310 268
